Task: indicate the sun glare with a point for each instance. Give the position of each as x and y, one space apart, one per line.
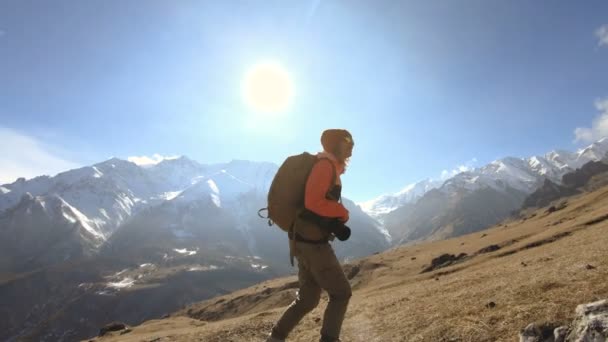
267 88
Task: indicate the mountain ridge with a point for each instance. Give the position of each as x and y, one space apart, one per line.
524 174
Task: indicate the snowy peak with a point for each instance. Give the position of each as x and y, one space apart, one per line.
43 230
410 194
180 164
527 174
221 187
258 174
176 174
229 184
73 215
106 194
117 164
561 159
54 211
542 166
521 174
594 152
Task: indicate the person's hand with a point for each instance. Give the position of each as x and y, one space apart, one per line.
344 218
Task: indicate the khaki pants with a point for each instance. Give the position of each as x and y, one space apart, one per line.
318 269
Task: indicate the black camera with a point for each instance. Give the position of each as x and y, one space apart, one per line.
328 224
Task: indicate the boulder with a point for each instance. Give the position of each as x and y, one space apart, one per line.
591 323
114 326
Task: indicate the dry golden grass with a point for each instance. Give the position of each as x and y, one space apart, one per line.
394 301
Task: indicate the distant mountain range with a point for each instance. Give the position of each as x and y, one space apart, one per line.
475 199
79 212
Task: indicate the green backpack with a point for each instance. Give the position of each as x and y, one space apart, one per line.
286 194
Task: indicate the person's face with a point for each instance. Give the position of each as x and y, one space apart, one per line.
345 150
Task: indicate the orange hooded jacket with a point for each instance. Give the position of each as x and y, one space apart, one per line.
318 185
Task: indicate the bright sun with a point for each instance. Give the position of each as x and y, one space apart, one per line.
268 88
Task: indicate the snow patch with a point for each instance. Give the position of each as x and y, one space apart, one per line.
387 236
170 195
97 174
4 190
117 273
201 268
213 186
42 203
104 293
259 266
125 283
216 200
104 213
384 204
185 251
84 221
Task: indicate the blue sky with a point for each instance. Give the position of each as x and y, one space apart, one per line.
423 86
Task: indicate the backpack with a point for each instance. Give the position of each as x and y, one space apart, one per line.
287 190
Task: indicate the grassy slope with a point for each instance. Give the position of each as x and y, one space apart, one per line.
393 301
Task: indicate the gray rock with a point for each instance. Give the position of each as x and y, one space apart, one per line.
560 333
536 333
114 326
591 323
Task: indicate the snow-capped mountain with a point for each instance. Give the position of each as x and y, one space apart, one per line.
522 174
43 230
473 200
103 198
384 204
527 174
108 193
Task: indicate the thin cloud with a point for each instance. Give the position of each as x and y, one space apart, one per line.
602 35
599 126
25 156
468 166
147 161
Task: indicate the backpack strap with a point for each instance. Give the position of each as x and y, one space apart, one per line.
334 175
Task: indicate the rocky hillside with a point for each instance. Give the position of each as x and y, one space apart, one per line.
485 286
590 176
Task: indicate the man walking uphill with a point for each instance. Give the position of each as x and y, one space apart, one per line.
321 219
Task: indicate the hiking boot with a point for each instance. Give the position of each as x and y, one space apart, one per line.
325 338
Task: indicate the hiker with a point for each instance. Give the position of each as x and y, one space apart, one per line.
322 218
